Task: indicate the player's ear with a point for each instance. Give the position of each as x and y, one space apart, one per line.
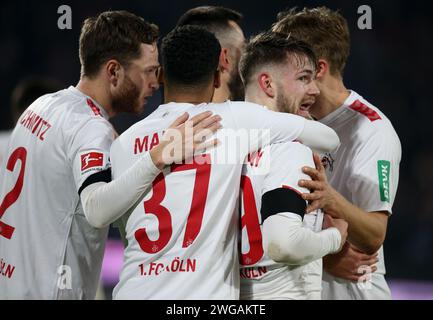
224 60
322 69
266 84
113 70
217 79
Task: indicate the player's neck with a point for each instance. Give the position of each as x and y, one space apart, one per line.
333 93
222 94
195 96
255 95
97 92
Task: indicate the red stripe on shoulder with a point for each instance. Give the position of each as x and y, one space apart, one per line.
94 108
365 110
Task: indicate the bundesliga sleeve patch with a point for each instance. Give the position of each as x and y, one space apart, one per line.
91 160
383 168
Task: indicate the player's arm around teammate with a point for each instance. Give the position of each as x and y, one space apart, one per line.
103 203
367 231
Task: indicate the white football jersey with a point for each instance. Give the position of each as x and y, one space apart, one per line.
48 249
365 170
182 238
261 277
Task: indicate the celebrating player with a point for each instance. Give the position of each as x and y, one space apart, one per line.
182 238
281 247
362 173
57 176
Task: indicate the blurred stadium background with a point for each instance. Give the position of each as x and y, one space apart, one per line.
389 65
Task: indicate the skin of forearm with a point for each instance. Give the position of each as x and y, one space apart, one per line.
366 230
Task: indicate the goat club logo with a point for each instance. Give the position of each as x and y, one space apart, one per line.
91 160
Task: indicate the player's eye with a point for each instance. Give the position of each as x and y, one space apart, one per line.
152 71
305 79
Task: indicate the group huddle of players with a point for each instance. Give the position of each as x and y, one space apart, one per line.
260 176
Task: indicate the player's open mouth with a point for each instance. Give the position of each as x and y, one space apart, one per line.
306 106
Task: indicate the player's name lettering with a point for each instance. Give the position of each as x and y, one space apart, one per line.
177 310
146 144
6 269
177 265
252 273
35 124
254 158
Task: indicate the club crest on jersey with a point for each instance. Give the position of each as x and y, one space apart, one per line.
328 162
91 160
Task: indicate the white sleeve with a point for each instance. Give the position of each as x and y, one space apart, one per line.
374 173
89 151
103 203
320 138
274 127
285 240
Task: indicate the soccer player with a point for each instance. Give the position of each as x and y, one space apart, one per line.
362 173
224 23
182 238
282 248
57 176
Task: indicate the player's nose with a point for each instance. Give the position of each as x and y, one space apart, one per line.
154 84
313 89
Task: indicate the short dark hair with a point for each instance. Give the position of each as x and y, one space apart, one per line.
272 48
213 19
325 30
28 90
113 35
190 56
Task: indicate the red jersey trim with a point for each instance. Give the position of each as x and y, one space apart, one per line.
94 108
358 106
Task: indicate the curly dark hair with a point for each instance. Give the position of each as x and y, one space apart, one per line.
190 56
113 35
272 48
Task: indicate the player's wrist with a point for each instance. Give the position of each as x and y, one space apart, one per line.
337 205
156 154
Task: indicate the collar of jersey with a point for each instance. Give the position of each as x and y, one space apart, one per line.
75 91
342 113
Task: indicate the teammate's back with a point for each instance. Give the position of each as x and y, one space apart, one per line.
185 231
41 203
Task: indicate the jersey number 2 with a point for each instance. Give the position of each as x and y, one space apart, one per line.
19 154
195 217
